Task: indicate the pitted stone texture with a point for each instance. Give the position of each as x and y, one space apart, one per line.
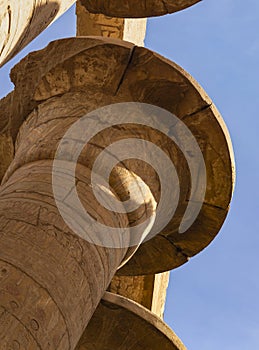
23 20
109 71
53 279
136 8
119 323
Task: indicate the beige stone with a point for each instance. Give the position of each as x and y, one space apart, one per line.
159 293
51 279
23 20
55 87
136 8
111 71
149 290
119 323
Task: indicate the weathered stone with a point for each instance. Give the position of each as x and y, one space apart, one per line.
61 276
54 278
51 278
136 8
54 88
119 323
6 152
6 140
23 20
149 290
110 71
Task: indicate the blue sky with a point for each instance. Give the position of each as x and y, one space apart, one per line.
212 301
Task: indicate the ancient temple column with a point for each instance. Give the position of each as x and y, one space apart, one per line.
67 275
147 290
51 279
23 20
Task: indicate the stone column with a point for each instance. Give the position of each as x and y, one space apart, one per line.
52 279
21 21
148 290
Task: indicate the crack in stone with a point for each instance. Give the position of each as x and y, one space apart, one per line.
125 70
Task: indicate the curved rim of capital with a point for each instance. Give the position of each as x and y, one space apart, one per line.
136 8
120 311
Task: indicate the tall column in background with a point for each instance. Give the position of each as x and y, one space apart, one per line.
88 24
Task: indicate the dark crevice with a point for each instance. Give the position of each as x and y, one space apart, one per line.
201 109
208 204
125 70
178 249
165 6
214 206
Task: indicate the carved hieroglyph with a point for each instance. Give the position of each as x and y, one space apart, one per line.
136 8
133 30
